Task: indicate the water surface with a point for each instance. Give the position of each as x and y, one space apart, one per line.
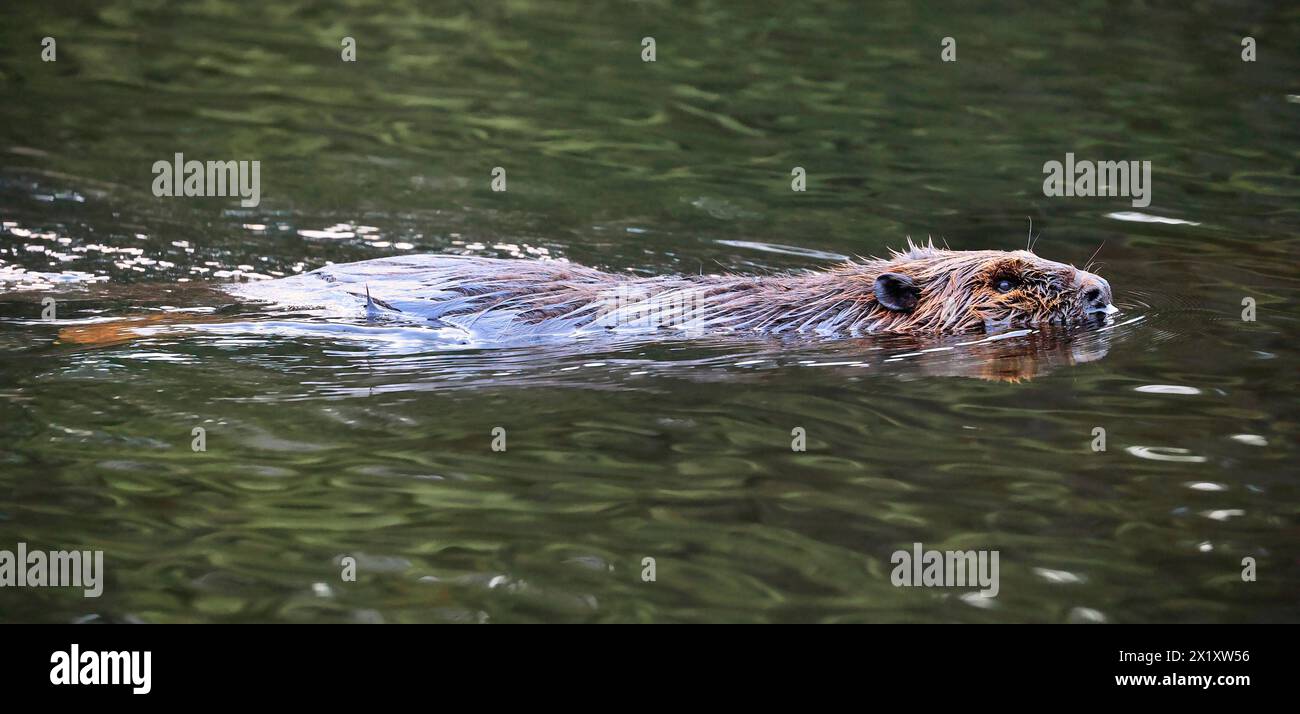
339 438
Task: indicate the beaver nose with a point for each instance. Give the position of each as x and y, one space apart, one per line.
1096 294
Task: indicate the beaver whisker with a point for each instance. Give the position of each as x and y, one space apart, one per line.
1088 265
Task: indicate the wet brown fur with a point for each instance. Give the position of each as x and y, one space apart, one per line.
956 294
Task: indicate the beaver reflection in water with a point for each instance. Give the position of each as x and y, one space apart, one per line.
922 290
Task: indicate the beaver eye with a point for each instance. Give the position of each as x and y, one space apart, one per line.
1006 285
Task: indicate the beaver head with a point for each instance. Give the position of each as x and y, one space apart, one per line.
926 289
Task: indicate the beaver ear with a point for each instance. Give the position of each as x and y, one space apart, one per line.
896 292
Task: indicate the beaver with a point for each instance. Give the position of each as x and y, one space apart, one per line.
920 290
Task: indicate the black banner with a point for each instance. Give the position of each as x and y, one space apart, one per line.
935 663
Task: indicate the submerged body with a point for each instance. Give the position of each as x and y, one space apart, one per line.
923 290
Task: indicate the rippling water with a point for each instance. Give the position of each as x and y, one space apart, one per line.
329 438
